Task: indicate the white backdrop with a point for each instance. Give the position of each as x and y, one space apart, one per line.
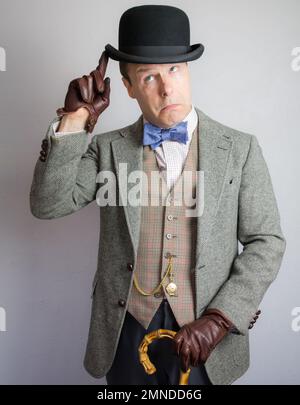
248 78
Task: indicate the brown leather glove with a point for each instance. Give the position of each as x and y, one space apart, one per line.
91 92
194 342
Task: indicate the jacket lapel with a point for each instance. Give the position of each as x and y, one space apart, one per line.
214 148
213 154
129 150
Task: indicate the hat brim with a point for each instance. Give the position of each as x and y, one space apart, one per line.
195 52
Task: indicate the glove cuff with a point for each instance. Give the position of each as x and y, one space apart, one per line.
61 112
220 317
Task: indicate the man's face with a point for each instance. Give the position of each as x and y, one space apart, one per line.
156 86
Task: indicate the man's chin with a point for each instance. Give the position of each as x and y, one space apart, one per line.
171 118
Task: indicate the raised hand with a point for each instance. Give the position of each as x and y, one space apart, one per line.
89 91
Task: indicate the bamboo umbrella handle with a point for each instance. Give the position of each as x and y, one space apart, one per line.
144 358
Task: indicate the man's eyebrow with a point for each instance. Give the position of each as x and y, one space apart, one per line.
140 70
146 69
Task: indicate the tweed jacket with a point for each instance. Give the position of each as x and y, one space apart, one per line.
238 205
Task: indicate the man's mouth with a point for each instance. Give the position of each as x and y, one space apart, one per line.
169 106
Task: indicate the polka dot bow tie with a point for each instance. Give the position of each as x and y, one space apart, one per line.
154 135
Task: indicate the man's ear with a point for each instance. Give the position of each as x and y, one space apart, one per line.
128 87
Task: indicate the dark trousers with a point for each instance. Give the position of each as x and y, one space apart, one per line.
126 368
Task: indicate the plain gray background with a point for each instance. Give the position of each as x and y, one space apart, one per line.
244 79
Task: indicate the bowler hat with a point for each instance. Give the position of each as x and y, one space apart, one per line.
154 34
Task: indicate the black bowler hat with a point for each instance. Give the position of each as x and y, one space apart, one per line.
154 34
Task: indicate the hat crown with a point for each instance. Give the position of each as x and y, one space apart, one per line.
154 34
154 25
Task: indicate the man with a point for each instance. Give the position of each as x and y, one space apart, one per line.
158 266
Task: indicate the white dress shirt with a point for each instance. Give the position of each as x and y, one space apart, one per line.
170 155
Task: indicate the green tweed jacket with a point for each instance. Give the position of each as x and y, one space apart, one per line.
239 205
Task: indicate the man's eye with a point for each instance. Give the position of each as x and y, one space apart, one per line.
147 78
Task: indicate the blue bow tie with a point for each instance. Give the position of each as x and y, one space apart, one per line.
154 135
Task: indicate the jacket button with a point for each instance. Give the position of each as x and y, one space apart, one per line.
122 303
129 266
42 159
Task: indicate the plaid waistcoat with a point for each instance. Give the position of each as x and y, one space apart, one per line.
165 228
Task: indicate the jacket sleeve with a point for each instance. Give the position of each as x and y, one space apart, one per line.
66 180
259 232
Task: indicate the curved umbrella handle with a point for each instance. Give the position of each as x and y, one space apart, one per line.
144 358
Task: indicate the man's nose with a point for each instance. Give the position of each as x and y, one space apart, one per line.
166 88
